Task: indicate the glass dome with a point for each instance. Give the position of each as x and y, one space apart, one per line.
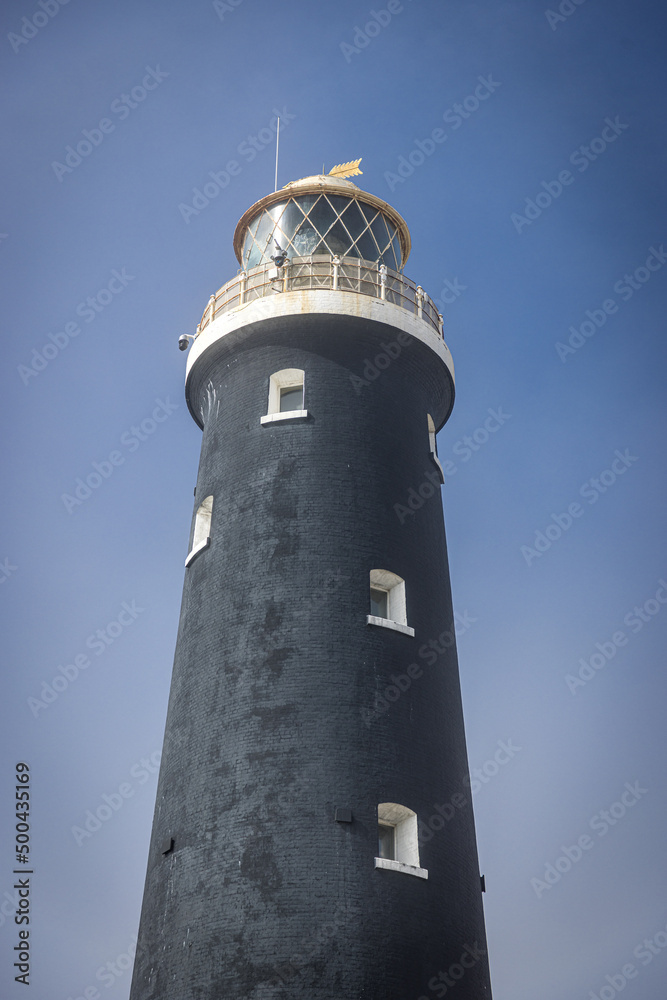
314 218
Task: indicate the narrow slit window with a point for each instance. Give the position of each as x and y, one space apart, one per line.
434 447
201 537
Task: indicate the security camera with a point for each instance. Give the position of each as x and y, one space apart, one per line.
183 342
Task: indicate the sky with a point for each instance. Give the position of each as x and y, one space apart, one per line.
524 146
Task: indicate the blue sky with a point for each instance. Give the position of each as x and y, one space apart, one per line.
580 92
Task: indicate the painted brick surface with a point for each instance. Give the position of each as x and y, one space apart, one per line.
270 724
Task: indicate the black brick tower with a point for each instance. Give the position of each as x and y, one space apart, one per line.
313 835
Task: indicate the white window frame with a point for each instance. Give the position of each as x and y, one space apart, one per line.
201 536
394 587
434 447
288 378
406 839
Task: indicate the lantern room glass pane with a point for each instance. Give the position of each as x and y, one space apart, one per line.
322 216
397 252
264 234
291 219
368 211
380 233
305 240
339 203
252 255
306 202
338 239
354 221
366 247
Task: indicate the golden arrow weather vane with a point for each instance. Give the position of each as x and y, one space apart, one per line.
350 169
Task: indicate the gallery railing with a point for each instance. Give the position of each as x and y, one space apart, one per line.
342 274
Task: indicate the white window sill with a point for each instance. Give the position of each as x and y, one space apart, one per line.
400 866
274 418
193 553
388 623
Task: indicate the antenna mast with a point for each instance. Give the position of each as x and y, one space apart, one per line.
275 186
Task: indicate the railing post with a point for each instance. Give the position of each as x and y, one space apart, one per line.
420 301
383 281
198 330
441 326
336 264
242 282
286 276
211 308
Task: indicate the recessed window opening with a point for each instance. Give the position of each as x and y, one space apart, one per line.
386 842
387 601
398 839
434 447
286 396
201 537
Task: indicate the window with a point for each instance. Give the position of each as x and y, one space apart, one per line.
379 602
291 399
324 223
386 842
433 446
398 842
286 391
201 538
388 609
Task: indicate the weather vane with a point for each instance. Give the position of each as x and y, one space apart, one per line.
350 169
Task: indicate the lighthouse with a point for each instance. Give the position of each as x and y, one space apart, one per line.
313 836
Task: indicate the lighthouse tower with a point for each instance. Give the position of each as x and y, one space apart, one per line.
313 836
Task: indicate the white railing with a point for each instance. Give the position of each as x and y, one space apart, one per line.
342 274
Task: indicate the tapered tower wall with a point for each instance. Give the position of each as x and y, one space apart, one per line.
254 888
